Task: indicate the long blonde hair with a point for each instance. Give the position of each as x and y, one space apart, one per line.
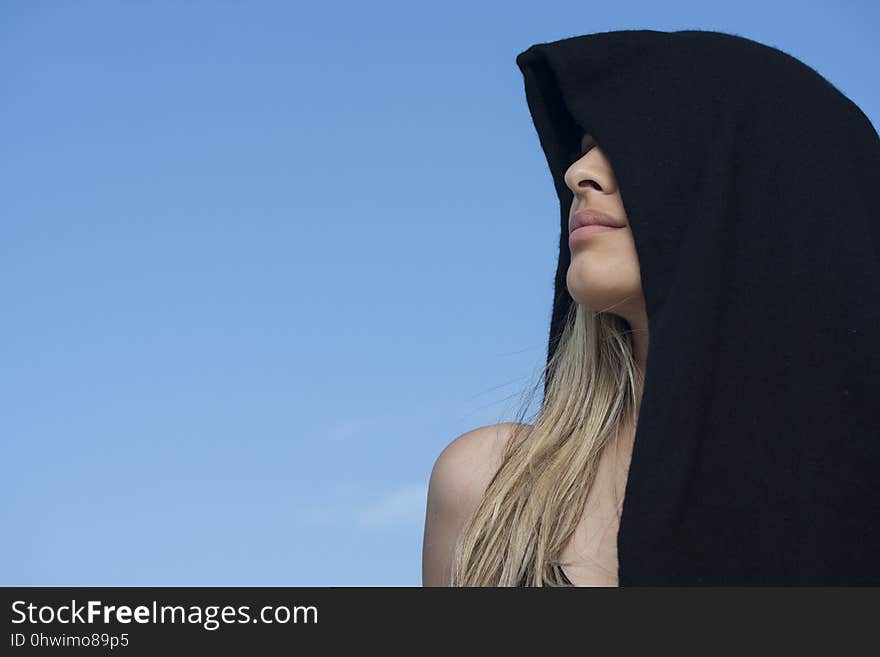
535 500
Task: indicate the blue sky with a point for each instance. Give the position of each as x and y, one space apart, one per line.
262 261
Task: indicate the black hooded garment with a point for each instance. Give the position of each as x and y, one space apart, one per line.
751 185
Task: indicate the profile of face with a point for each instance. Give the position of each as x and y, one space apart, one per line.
604 272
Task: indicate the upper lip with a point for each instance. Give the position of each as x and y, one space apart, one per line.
587 217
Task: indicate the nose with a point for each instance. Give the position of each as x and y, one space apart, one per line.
587 172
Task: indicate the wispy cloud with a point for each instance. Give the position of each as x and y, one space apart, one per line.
344 430
400 506
348 503
325 516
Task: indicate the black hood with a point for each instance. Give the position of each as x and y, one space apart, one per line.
748 181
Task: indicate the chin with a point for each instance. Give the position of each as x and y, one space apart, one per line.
603 298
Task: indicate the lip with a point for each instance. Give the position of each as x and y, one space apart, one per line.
584 232
589 217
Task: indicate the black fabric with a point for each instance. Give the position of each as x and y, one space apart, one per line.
751 186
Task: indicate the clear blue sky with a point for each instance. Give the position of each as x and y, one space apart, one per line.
262 261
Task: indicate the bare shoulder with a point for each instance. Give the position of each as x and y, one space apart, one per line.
467 464
459 479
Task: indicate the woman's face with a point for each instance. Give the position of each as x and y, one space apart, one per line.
604 272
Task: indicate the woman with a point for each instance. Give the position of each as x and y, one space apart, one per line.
740 445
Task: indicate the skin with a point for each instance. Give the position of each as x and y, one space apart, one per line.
604 275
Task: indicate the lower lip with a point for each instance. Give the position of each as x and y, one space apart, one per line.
586 231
